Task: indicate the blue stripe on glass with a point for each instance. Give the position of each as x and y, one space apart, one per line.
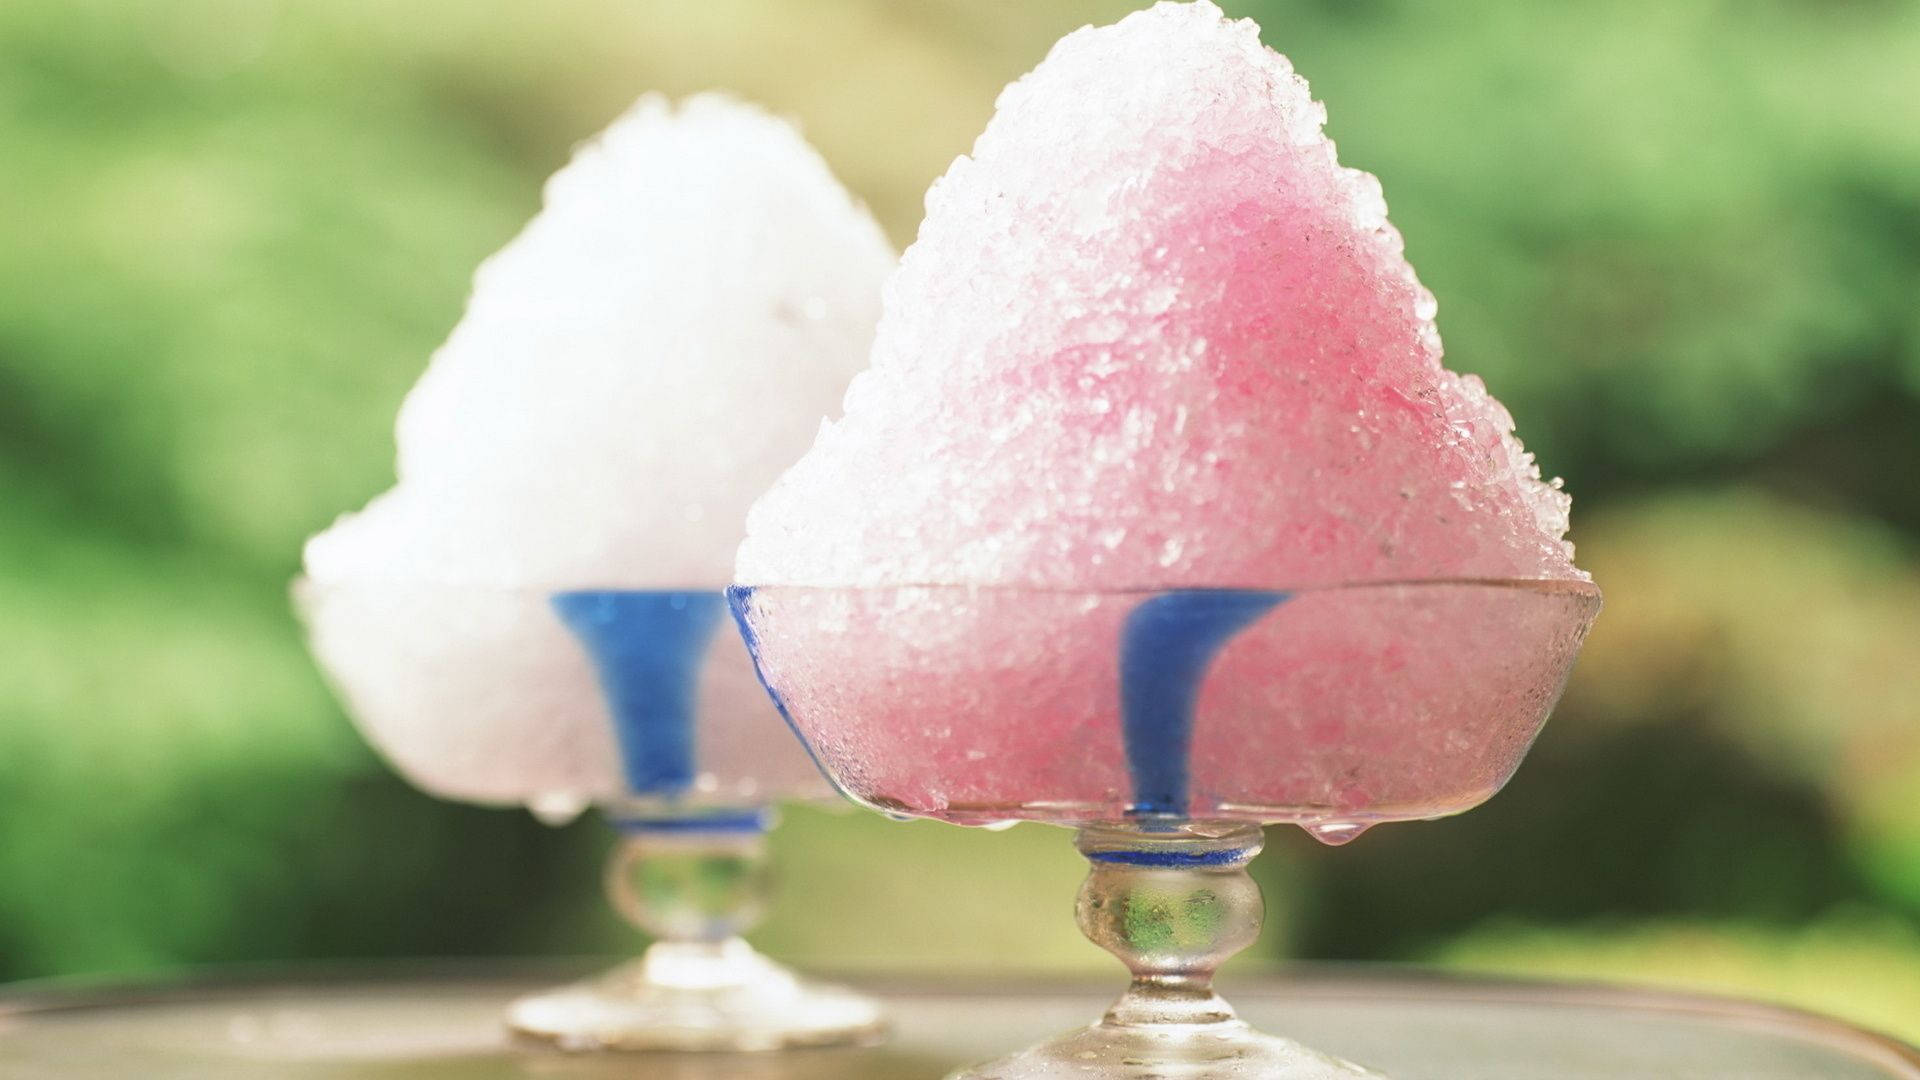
744 821
648 647
1165 648
1227 857
740 599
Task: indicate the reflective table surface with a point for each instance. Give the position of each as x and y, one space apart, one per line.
444 1024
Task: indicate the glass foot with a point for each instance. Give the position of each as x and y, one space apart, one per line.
697 996
1224 1049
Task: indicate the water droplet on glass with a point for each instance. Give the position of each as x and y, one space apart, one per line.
1335 833
556 808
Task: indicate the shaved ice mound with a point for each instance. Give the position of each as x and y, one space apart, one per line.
1153 334
631 370
1156 500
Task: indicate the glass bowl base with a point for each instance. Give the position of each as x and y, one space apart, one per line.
1223 1050
722 997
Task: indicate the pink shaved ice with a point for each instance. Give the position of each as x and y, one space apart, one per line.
1153 334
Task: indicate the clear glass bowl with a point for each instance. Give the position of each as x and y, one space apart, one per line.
1167 725
556 699
1354 704
640 702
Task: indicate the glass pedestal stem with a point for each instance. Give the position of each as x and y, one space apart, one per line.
694 887
1172 907
695 884
1173 902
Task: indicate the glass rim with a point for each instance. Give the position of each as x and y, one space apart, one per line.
303 586
1547 585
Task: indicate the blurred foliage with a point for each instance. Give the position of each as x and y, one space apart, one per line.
1850 964
1680 239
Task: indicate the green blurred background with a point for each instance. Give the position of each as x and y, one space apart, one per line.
1680 238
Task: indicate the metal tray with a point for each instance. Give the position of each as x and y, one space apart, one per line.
415 1024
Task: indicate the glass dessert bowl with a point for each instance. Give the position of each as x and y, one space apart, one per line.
1167 726
639 703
